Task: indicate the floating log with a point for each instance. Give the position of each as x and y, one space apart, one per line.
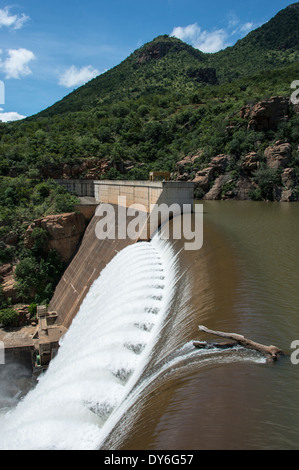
210 344
272 353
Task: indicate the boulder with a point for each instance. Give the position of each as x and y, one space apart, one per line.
288 178
9 288
267 114
5 269
220 162
204 178
215 192
244 186
278 155
64 230
288 196
188 160
250 162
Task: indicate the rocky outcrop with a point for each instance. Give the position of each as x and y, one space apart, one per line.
250 163
278 155
204 178
267 114
288 195
288 178
92 168
238 176
64 233
8 282
220 162
215 192
187 161
154 51
244 187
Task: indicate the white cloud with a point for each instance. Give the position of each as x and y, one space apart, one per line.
239 28
16 64
214 41
12 21
246 27
10 116
74 77
203 40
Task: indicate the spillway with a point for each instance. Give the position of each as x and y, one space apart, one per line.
102 356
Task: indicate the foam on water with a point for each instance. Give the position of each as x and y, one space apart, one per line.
82 395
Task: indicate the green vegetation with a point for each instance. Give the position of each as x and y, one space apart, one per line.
165 101
23 200
9 317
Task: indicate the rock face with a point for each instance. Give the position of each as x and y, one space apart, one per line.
220 162
8 282
89 169
250 163
215 192
65 232
204 178
153 52
279 155
288 178
266 115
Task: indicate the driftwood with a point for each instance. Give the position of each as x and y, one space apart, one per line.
272 353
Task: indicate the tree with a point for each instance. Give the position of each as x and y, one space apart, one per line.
9 317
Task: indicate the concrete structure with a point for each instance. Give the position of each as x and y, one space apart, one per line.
144 192
94 254
87 265
159 175
136 192
81 188
41 341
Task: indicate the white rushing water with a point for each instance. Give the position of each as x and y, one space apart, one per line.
83 394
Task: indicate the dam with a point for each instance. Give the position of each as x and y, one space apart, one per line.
94 254
127 376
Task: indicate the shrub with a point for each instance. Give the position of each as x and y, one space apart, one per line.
32 309
267 178
9 317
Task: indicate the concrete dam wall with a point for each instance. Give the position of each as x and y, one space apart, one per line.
94 254
91 258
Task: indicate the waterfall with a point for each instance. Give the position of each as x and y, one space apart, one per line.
101 358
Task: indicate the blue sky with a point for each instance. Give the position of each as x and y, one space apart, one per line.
48 49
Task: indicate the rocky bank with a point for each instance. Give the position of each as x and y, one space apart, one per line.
226 178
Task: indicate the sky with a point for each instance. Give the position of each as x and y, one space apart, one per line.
49 48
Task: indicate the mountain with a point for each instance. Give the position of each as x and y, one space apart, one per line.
165 101
156 66
223 121
174 63
272 45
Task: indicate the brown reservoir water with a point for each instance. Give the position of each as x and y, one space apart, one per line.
243 280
